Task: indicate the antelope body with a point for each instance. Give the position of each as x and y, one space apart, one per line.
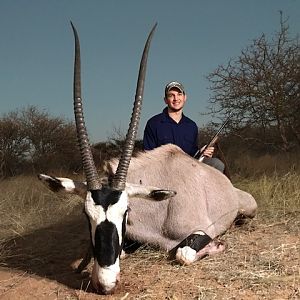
205 198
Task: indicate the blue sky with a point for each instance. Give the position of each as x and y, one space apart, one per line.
193 37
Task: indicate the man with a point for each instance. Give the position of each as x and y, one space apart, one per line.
172 126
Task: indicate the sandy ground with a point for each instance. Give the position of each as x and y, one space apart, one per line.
262 261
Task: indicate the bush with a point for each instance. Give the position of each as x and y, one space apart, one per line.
32 140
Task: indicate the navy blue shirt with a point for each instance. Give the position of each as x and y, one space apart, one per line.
162 129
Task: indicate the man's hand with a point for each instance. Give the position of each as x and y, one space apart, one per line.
208 152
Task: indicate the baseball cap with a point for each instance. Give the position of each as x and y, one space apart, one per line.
174 84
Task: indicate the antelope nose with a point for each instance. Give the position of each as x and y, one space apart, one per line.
106 289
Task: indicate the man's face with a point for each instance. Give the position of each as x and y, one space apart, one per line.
175 99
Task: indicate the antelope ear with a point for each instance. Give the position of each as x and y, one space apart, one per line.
60 184
148 192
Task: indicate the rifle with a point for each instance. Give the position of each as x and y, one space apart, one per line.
199 154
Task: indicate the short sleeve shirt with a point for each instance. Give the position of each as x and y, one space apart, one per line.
161 129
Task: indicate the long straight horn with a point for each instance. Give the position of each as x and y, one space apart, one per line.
119 179
89 168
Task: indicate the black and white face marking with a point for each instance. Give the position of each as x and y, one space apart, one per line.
107 213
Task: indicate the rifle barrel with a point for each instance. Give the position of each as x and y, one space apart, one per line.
214 137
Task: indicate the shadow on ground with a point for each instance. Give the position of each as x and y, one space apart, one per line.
53 252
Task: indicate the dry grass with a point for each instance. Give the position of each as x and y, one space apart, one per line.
255 266
43 237
249 166
276 193
27 205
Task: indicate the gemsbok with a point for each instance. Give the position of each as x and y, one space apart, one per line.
162 197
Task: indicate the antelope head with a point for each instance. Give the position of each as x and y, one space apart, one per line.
107 206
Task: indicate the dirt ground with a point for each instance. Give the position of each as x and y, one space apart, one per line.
262 261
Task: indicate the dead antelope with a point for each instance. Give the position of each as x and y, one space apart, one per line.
185 223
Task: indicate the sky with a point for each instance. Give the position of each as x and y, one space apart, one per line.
192 39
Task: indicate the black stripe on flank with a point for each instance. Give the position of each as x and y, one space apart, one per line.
107 247
106 197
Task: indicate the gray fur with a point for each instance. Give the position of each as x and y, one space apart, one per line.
206 199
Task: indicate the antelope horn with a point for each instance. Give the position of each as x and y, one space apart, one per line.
119 179
89 168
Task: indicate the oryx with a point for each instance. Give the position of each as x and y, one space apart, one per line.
184 222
